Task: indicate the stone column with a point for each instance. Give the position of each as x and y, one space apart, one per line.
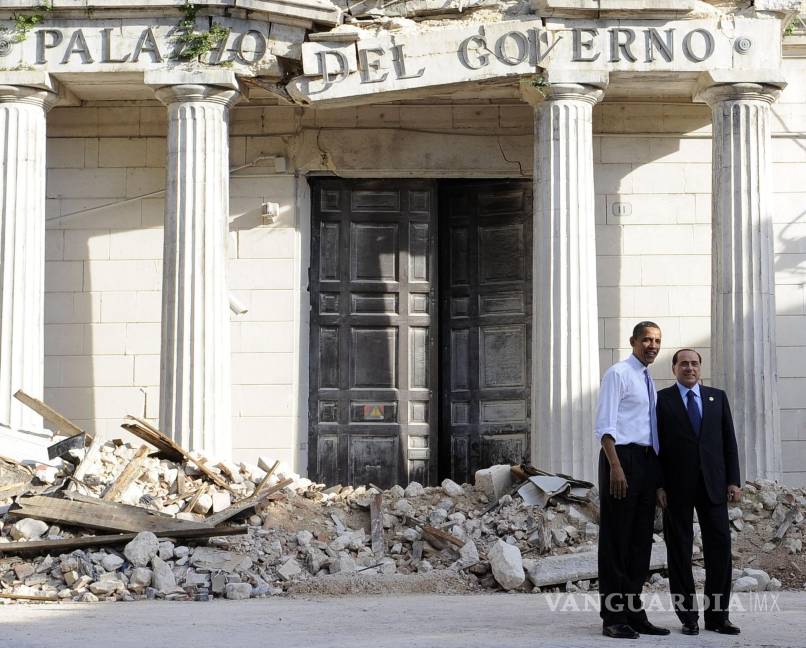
22 248
743 277
565 336
195 384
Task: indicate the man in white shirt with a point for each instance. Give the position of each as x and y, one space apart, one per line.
626 425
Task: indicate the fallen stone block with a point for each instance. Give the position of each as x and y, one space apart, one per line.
494 481
507 565
556 570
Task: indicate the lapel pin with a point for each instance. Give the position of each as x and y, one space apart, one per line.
711 398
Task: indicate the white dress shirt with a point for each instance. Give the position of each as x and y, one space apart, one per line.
624 406
684 395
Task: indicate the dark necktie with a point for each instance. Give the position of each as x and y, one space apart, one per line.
653 421
693 411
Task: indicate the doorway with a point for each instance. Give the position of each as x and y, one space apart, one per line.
420 329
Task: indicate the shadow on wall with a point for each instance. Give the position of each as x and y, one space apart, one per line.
685 318
104 279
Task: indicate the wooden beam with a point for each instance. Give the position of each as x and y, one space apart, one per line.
66 545
62 423
266 477
130 473
376 524
246 503
171 450
93 513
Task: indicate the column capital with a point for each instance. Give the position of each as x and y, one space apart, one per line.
728 85
558 85
33 88
181 86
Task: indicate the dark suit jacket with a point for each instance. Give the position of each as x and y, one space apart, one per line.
684 456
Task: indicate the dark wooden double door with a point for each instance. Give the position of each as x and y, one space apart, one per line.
420 329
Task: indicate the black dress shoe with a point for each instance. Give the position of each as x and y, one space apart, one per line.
690 628
619 631
645 627
725 627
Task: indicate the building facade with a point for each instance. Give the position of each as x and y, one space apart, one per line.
399 242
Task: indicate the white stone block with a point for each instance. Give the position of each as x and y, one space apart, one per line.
262 400
262 337
64 339
86 244
261 274
262 368
116 275
141 182
264 432
267 242
147 370
91 183
142 338
65 153
102 338
64 276
267 305
143 243
122 152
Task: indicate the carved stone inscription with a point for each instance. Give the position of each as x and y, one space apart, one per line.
516 48
124 45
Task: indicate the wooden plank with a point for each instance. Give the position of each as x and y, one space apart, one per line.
246 503
97 514
28 597
62 423
66 545
432 532
147 432
130 473
197 495
376 524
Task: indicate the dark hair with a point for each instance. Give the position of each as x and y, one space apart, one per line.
639 328
676 353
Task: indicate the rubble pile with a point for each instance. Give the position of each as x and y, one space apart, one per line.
302 531
118 522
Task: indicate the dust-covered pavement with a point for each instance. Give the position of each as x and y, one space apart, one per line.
410 621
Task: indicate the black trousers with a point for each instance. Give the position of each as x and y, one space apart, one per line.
625 534
679 533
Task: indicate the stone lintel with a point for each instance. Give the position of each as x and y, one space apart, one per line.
770 81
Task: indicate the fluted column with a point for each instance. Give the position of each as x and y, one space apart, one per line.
565 338
743 276
195 384
22 250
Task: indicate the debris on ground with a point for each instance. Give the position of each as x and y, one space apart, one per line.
152 520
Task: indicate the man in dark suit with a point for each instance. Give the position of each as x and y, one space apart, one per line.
700 466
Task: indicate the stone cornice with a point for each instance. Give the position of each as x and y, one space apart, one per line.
614 8
322 12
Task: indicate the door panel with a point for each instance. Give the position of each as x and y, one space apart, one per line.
373 352
485 325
